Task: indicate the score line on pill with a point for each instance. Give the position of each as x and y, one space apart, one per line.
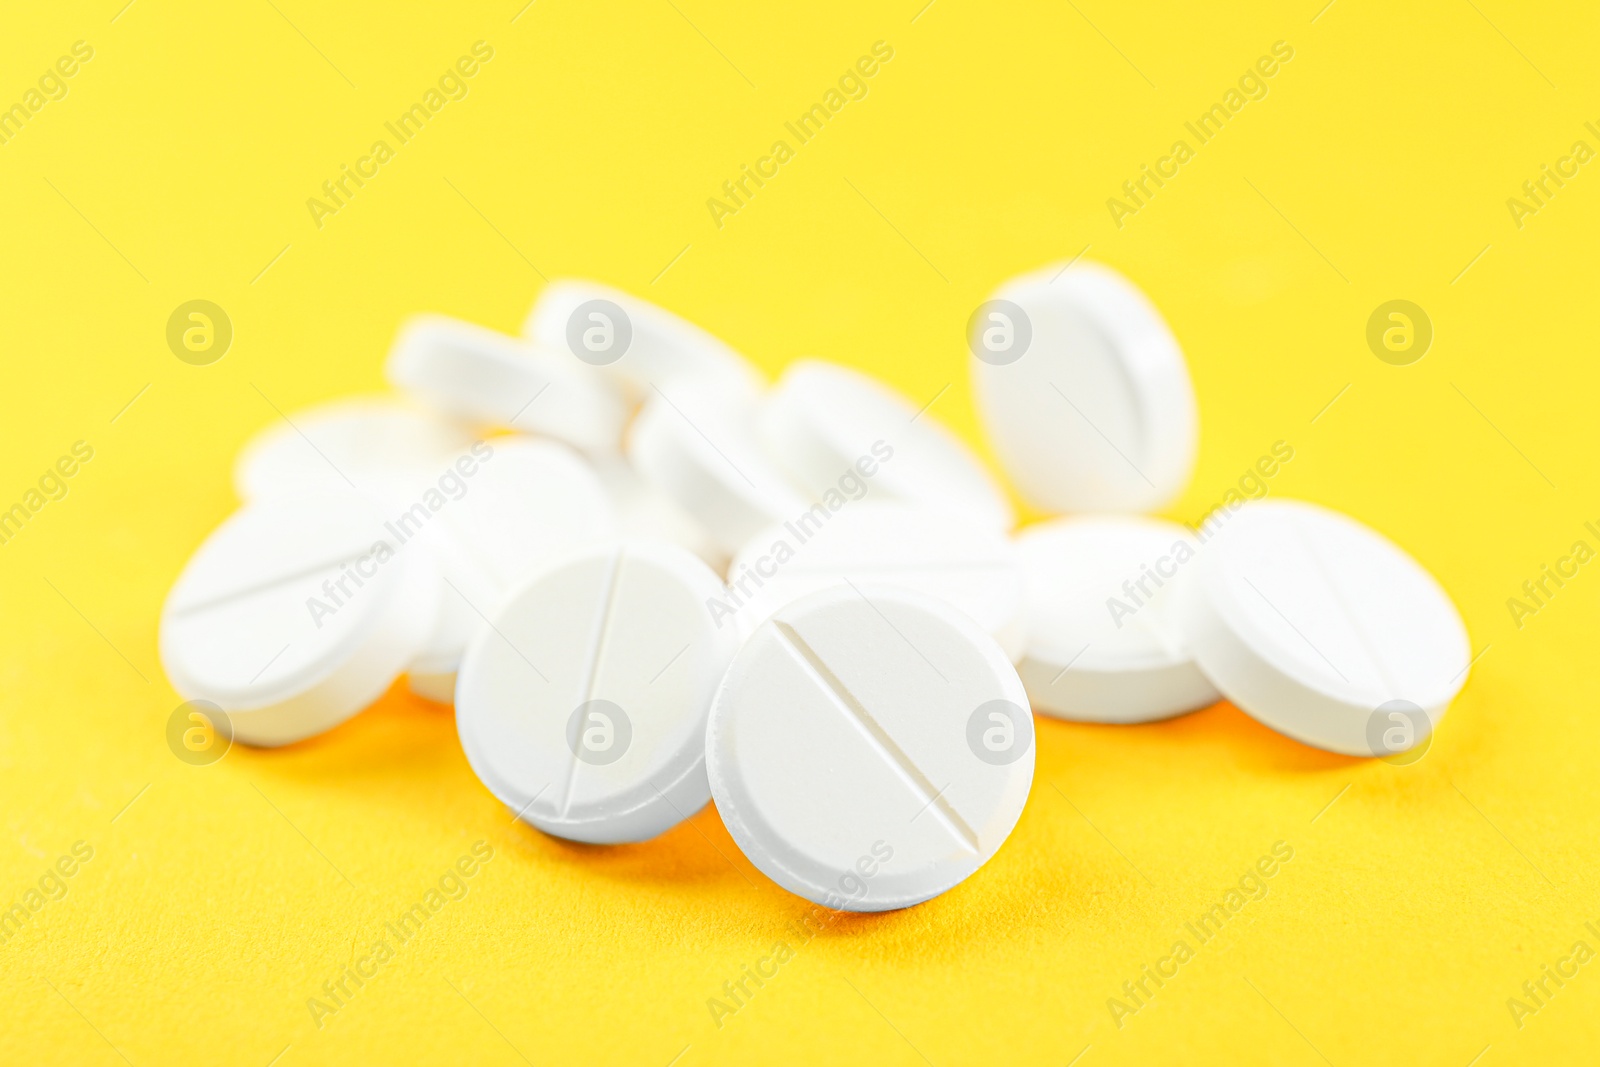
1316 625
296 613
583 705
863 718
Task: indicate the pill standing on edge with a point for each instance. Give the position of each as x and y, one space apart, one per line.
487 378
1101 644
825 422
583 707
1083 391
870 748
970 565
1323 629
296 613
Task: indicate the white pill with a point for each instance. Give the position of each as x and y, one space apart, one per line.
824 421
870 748
1323 629
644 513
584 707
1083 391
346 444
702 452
491 518
969 565
296 613
637 342
485 377
1101 644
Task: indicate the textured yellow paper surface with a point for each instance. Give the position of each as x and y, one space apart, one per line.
1377 166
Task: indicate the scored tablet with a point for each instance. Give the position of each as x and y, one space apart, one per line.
583 706
1323 629
296 613
870 747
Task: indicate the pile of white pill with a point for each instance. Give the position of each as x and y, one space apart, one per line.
647 580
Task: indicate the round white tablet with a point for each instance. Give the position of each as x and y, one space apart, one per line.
828 424
636 341
492 517
1083 391
644 513
296 613
1101 644
486 377
1323 629
870 748
969 565
347 444
584 707
700 450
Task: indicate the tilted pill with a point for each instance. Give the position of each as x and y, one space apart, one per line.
1083 391
296 613
1323 629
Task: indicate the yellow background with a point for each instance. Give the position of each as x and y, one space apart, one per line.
1378 167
